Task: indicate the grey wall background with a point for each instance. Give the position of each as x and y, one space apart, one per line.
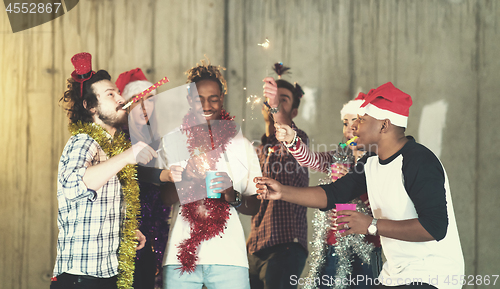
444 53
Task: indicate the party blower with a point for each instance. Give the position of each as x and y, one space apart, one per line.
142 94
343 156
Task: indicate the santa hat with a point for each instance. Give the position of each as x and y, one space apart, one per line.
352 106
133 82
387 102
83 68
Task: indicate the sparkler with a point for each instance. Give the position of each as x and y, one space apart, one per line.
254 100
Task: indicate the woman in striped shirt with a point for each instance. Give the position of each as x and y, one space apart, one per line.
325 266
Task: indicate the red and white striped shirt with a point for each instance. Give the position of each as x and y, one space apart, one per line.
320 161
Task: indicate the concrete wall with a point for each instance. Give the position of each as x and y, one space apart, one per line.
443 53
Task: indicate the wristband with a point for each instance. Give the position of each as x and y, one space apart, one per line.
272 110
293 143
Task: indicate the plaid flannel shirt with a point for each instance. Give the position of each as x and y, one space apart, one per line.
279 222
88 221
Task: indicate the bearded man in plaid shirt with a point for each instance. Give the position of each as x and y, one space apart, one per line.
277 246
88 190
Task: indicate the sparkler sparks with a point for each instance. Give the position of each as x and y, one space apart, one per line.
254 100
265 44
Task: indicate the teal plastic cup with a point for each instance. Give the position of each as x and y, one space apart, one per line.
208 182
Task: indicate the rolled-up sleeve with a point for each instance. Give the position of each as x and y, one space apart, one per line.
79 153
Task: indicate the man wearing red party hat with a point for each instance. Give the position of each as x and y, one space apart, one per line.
94 173
409 195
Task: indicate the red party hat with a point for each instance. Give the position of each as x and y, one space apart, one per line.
83 68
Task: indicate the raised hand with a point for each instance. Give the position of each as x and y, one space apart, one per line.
271 91
284 132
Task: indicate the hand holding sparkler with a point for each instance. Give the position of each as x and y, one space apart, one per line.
271 92
271 88
196 167
284 133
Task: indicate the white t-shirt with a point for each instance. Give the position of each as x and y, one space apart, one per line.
229 247
411 184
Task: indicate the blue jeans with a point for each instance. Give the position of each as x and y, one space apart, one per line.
212 276
363 270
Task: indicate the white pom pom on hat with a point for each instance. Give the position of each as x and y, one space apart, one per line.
350 107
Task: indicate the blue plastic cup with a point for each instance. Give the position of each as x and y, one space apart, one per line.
208 181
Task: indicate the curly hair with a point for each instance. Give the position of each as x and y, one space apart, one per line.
73 103
206 71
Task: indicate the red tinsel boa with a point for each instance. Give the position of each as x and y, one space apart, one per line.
207 217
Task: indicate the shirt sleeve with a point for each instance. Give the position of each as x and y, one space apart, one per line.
149 175
300 174
348 187
318 161
78 155
248 186
424 180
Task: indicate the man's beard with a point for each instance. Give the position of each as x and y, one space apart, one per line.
114 120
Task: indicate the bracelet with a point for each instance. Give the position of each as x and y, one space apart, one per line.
272 110
293 143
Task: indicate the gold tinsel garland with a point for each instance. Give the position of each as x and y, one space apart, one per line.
130 191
